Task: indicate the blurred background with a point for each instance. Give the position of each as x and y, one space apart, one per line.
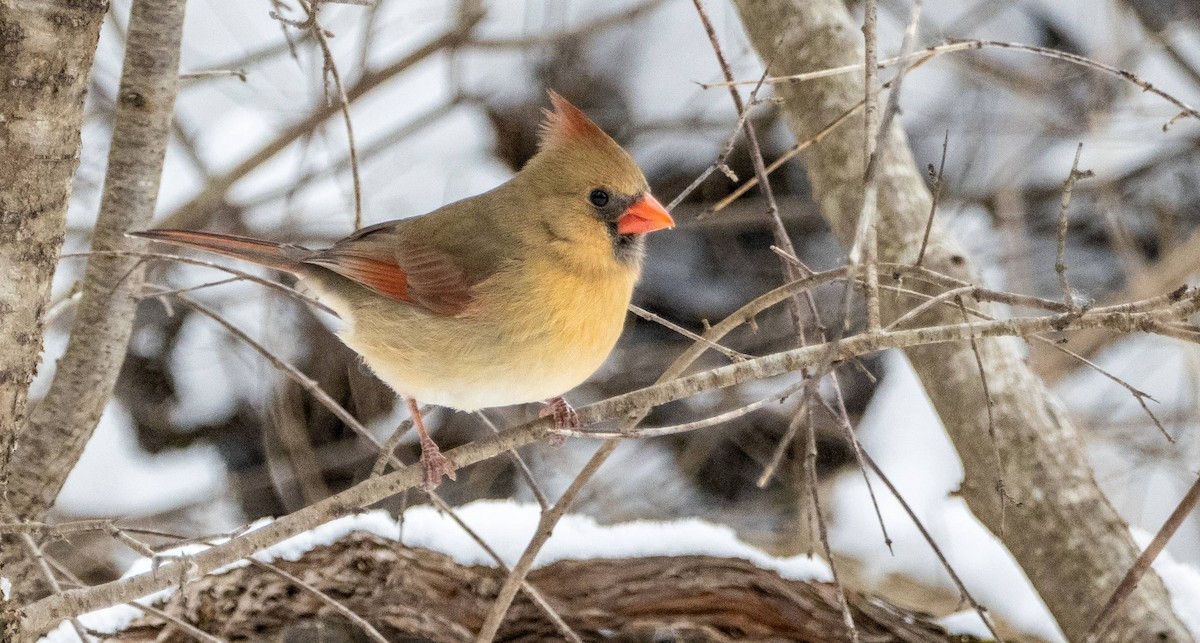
204 435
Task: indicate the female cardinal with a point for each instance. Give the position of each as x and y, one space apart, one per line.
512 296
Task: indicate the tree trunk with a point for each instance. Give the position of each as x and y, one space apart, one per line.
1055 521
61 424
46 51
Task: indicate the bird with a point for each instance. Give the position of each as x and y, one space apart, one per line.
512 296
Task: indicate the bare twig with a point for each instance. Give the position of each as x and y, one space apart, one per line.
389 446
196 211
313 24
337 605
912 515
784 242
937 195
1060 265
36 552
792 152
721 418
810 459
545 528
522 467
1142 564
988 404
666 323
967 45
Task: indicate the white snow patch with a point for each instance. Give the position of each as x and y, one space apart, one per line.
507 527
146 483
965 622
5 588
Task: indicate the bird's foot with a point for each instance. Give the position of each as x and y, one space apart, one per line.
435 465
565 419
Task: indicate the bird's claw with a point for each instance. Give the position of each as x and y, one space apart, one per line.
565 419
435 465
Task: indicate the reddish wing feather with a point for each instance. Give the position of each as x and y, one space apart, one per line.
435 280
411 272
383 277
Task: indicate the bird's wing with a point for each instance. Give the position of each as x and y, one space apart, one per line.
391 260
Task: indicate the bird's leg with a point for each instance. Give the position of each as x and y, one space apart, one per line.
565 418
433 462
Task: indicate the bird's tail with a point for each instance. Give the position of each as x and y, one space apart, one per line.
265 253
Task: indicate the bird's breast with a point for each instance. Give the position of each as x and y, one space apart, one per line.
535 332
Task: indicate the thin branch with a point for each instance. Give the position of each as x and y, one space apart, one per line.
784 242
956 45
389 446
666 323
988 404
198 209
720 418
810 459
937 196
1060 265
313 24
337 605
545 528
912 515
36 552
521 465
941 298
790 154
1143 562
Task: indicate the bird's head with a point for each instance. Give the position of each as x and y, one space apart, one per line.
600 197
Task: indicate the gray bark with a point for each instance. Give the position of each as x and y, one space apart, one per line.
46 51
61 424
1057 524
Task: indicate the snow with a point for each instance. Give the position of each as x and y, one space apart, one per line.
5 587
115 477
965 622
507 527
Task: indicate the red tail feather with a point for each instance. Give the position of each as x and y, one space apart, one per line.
266 253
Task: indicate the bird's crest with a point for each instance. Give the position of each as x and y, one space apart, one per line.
566 123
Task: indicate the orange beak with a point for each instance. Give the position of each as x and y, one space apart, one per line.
647 215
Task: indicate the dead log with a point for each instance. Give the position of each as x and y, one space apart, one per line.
412 594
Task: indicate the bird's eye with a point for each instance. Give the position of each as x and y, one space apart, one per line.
599 198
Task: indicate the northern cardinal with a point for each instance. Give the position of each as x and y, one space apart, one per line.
512 296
